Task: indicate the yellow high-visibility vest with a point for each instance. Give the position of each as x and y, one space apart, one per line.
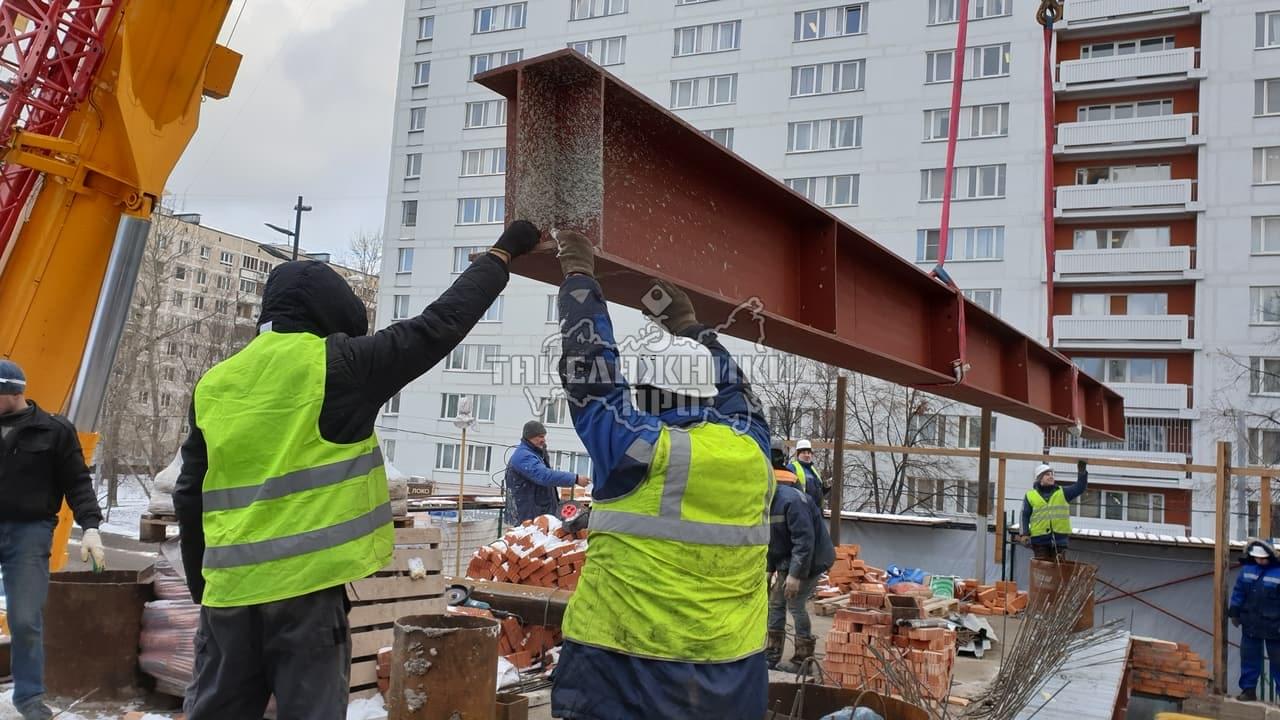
1049 516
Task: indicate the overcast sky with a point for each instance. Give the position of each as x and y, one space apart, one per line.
310 114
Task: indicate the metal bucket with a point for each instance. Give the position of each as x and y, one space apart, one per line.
444 667
92 622
811 702
1049 577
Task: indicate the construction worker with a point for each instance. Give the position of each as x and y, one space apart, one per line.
282 497
668 619
41 464
1046 512
1255 609
530 480
800 551
807 476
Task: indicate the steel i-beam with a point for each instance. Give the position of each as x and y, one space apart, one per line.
661 200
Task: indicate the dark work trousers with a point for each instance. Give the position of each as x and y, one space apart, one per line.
1049 552
297 649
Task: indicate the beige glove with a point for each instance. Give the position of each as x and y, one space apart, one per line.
575 253
792 587
91 545
670 307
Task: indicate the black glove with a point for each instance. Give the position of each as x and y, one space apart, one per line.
519 238
1081 466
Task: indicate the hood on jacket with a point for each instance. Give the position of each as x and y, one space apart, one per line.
309 296
1245 559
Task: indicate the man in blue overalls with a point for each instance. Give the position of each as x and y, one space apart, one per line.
1255 609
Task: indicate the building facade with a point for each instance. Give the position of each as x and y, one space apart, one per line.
1166 235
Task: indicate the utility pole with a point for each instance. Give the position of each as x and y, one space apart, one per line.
464 420
297 224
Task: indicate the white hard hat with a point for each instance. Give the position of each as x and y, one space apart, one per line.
679 365
1043 468
1258 551
803 445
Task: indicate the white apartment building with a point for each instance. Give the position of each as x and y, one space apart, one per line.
1167 197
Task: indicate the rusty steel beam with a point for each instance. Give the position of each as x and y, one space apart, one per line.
661 200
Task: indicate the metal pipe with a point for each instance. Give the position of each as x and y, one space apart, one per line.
109 319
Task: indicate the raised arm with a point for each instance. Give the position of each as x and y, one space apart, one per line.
533 468
1077 488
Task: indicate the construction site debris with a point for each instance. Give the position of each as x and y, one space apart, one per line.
541 552
1002 598
860 642
1168 669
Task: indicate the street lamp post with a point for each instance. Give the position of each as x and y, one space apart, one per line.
296 232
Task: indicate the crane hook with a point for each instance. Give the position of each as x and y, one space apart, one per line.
1050 11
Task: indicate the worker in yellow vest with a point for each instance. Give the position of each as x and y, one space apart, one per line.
282 497
1046 512
807 477
668 619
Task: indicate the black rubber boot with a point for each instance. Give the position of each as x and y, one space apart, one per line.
773 649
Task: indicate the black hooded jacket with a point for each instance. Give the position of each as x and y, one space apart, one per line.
364 371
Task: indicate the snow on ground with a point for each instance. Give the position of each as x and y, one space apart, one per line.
123 519
364 709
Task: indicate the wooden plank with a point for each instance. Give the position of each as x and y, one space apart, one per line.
837 462
402 555
369 642
1038 457
394 588
1002 465
387 612
1264 508
418 536
1220 553
364 672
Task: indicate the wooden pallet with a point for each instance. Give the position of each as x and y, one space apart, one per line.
940 607
389 594
828 606
155 528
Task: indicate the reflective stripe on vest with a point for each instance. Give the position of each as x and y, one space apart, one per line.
799 469
681 556
286 512
1049 516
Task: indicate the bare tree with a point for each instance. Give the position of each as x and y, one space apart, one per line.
1244 408
364 256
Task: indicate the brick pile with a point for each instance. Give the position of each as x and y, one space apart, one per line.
847 573
526 645
856 636
1003 598
539 553
1167 669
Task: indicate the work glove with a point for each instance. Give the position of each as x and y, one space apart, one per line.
91 545
519 238
576 254
792 587
1081 465
583 481
670 307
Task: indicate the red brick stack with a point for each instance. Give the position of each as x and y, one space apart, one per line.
857 636
1168 669
848 571
1003 598
525 645
540 553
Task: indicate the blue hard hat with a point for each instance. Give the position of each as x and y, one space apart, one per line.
12 380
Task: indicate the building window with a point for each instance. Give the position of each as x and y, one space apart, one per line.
482 406
495 18
494 313
827 190
1121 238
1123 174
984 61
938 66
471 358
404 260
828 78
605 51
1264 375
393 405
417 119
831 22
202 277
1125 370
553 308
971 182
724 136
1266 235
488 61
426 27
1095 304
710 38
986 298
481 210
820 135
1125 111
408 213
963 243
969 431
422 73
704 91
1138 507
1266 164
248 287
223 282
1268 30
462 256
488 161
486 113
947 11
575 462
177 298
478 457
587 9
412 166
1264 446
197 302
179 272
555 411
925 495
1126 47
389 450
399 307
976 121
1266 97
1264 304
204 252
226 258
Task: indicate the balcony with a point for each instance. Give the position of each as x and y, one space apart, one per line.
1113 199
1090 14
1134 135
1161 67
1125 265
1123 331
1155 399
